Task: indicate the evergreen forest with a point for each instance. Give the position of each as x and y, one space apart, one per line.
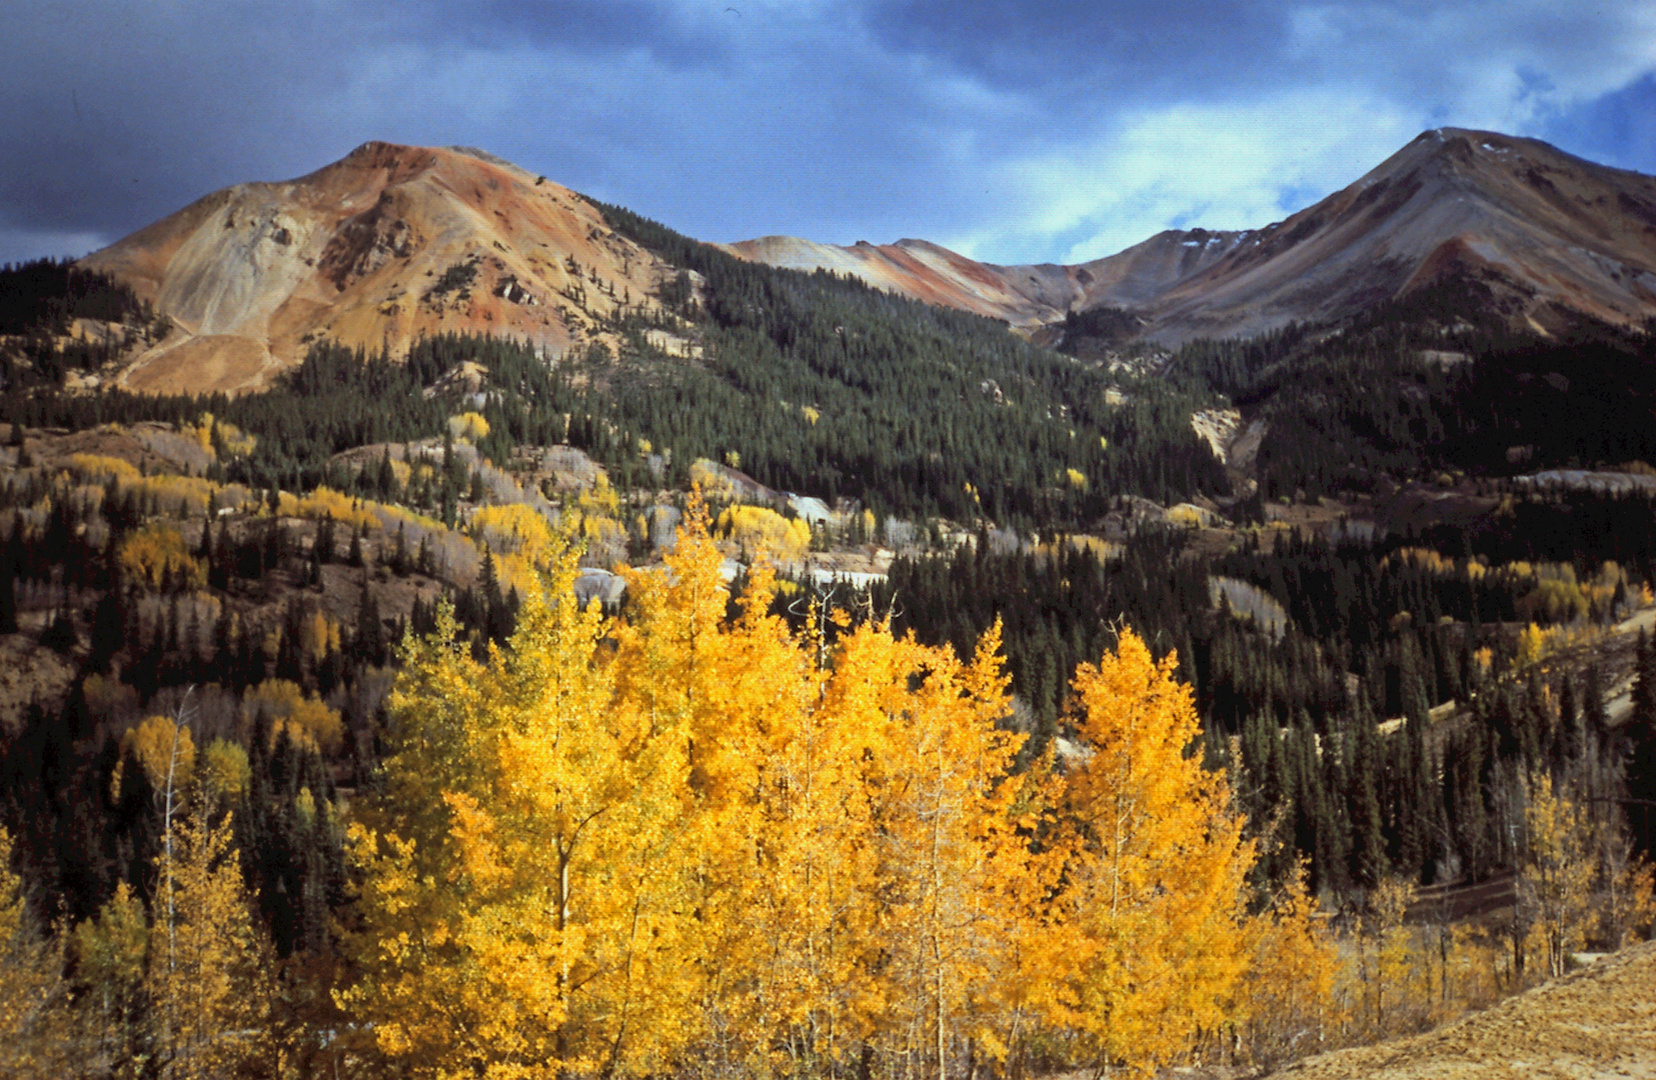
800 681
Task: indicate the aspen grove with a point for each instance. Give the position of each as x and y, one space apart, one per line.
706 844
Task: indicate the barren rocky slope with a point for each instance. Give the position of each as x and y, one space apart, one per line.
1597 1022
389 243
1025 296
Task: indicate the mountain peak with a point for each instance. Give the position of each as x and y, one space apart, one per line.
387 244
1543 233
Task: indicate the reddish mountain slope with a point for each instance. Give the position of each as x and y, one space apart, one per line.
1025 296
389 243
393 242
1542 230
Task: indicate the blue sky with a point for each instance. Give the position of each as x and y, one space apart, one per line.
1013 132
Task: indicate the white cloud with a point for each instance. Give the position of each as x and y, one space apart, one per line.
1217 166
1358 82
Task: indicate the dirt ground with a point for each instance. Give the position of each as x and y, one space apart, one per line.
1596 1022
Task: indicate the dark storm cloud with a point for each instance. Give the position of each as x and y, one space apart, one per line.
1013 131
1130 51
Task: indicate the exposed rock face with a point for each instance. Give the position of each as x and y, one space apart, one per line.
1025 296
1544 232
390 243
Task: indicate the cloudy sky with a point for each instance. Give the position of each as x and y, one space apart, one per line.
1013 132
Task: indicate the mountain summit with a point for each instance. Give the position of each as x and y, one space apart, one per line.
1536 232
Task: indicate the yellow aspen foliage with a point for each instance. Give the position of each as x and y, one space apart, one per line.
797 922
201 431
951 859
1395 981
516 529
101 467
205 978
1286 1001
318 635
1555 875
469 426
224 772
325 502
690 842
33 1015
108 953
600 499
711 480
157 555
162 748
760 529
308 721
1532 645
525 900
230 440
1146 942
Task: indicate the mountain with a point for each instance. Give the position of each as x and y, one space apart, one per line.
1027 297
1526 231
379 248
395 242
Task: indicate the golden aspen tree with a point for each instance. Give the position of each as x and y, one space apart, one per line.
1556 870
524 903
1145 941
949 854
205 977
108 954
784 851
1395 960
33 1014
1286 999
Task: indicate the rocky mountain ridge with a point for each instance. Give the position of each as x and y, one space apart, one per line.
1540 233
392 243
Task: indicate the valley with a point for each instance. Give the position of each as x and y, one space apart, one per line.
435 512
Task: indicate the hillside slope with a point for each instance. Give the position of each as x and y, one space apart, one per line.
1597 1022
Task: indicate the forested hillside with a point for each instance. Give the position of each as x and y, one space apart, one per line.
928 737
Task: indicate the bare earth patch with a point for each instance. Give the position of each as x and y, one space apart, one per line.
1597 1022
202 365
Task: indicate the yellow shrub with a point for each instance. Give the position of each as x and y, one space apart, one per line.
306 720
515 528
152 554
759 528
468 426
